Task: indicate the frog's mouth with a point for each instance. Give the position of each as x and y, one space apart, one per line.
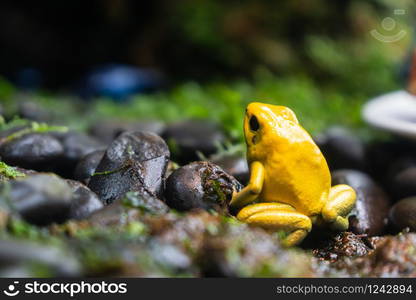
255 139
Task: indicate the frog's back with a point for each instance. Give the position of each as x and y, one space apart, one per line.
297 174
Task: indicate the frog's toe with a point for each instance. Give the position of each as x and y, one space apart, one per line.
340 224
340 203
294 238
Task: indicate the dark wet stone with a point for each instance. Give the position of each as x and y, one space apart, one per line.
135 161
342 149
85 168
40 199
403 214
186 138
382 156
200 185
20 258
84 202
107 130
402 178
32 151
372 206
145 203
235 165
77 145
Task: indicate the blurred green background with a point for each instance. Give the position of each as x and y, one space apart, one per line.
315 56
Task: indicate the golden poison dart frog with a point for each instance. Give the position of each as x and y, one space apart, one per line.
290 183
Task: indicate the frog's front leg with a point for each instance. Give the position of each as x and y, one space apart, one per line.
249 194
341 201
278 216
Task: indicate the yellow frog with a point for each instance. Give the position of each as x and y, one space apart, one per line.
290 183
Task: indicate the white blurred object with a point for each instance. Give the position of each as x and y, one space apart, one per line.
394 112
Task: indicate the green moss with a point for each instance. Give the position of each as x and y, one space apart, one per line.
9 172
40 270
133 230
35 127
20 229
15 122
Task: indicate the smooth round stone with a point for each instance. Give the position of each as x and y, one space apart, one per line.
187 138
32 151
382 156
342 149
403 214
87 165
402 178
200 185
77 145
371 209
135 161
107 130
40 199
84 202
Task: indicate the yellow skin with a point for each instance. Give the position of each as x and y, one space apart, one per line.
290 183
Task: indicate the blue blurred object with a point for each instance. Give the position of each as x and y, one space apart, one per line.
29 79
119 82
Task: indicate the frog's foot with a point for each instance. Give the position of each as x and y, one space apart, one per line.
340 203
278 216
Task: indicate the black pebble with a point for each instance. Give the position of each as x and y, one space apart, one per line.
84 202
87 165
41 199
135 161
403 214
32 151
200 185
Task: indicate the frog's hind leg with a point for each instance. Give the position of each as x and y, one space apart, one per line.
278 216
341 201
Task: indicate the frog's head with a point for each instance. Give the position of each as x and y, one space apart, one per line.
266 126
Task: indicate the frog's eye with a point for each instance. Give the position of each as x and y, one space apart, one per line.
254 123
